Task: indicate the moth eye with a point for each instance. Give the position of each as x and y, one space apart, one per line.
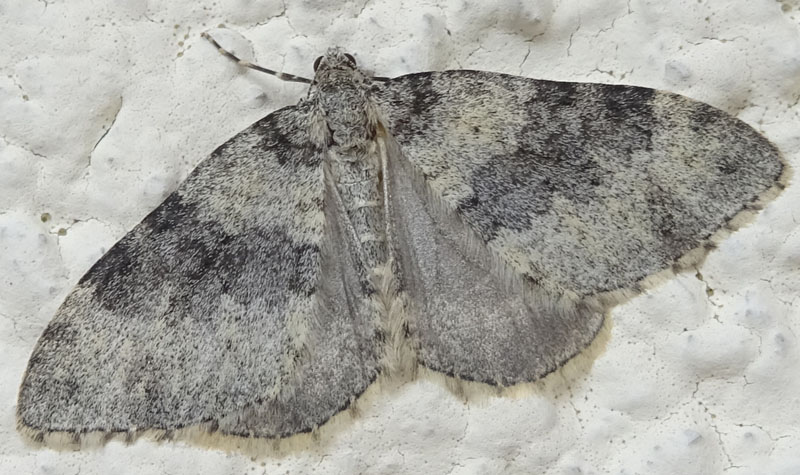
351 59
316 63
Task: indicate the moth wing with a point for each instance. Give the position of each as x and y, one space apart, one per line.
218 307
549 202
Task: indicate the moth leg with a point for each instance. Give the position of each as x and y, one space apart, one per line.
248 64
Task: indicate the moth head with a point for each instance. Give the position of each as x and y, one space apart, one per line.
335 58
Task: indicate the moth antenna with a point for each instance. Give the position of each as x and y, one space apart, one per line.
248 64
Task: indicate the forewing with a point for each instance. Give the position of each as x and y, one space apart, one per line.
557 193
583 188
211 305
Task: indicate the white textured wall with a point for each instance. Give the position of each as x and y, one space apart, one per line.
106 106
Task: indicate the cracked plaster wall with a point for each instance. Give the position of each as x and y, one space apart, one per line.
106 106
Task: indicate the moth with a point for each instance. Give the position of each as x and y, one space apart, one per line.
477 224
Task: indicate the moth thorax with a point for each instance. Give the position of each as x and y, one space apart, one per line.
346 109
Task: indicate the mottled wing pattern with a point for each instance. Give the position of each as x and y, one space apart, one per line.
573 190
466 319
215 307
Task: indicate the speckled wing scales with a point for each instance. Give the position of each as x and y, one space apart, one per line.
216 309
467 317
571 192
